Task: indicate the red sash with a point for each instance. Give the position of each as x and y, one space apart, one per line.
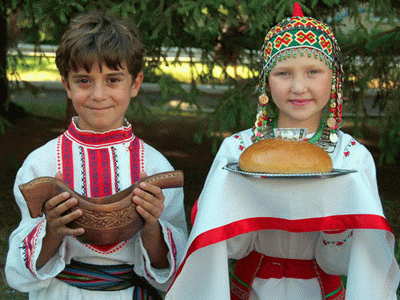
262 266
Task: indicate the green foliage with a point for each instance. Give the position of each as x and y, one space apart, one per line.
370 54
390 138
3 124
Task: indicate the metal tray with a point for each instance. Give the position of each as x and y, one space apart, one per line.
234 167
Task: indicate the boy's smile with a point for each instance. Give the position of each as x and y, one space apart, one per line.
101 96
300 88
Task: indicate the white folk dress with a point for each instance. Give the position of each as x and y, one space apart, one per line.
290 218
94 165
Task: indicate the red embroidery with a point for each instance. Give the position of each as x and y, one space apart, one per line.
30 243
91 159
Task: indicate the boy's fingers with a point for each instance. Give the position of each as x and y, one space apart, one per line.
149 218
59 175
153 190
71 216
142 175
154 208
55 201
71 231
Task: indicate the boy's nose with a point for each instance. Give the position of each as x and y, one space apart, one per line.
98 92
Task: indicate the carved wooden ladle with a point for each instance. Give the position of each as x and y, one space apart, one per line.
106 220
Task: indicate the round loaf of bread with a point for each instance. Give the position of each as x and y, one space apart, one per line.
278 156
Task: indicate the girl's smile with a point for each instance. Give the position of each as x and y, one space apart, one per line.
300 102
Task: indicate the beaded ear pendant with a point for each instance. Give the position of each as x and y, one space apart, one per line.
263 99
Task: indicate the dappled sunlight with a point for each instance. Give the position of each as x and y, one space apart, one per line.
44 69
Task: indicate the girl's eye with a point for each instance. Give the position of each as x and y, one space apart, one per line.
282 74
312 72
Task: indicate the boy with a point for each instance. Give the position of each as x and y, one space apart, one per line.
100 61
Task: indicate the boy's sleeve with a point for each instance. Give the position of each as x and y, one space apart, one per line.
25 242
173 223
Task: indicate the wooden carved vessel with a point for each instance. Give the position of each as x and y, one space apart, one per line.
106 220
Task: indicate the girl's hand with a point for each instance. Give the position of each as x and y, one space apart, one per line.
150 203
57 215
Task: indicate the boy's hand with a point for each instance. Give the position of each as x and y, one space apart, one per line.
150 205
150 202
56 224
55 209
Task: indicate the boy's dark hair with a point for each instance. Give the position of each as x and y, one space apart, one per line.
94 37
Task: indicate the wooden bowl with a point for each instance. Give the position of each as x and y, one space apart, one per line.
106 220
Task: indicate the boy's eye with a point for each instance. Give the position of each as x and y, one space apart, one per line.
114 80
82 81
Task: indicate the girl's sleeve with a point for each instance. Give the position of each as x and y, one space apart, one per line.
241 245
174 227
365 256
25 242
333 250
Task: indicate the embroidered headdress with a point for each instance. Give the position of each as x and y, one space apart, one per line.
300 35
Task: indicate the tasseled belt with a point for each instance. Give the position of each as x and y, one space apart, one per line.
107 278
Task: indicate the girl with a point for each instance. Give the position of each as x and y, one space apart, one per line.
293 238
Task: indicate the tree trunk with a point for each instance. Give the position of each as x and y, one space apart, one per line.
3 61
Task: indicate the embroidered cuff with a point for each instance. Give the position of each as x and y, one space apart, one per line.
337 238
161 275
30 245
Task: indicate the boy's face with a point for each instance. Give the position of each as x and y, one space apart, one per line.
101 97
300 88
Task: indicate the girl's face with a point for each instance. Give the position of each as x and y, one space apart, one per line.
300 88
101 96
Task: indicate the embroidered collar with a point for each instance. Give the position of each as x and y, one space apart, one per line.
90 138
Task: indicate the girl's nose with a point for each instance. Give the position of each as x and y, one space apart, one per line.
299 85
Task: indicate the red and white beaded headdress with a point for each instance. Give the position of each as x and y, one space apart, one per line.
300 35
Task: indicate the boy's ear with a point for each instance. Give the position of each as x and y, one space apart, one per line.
66 85
136 84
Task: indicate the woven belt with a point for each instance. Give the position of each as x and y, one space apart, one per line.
106 278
